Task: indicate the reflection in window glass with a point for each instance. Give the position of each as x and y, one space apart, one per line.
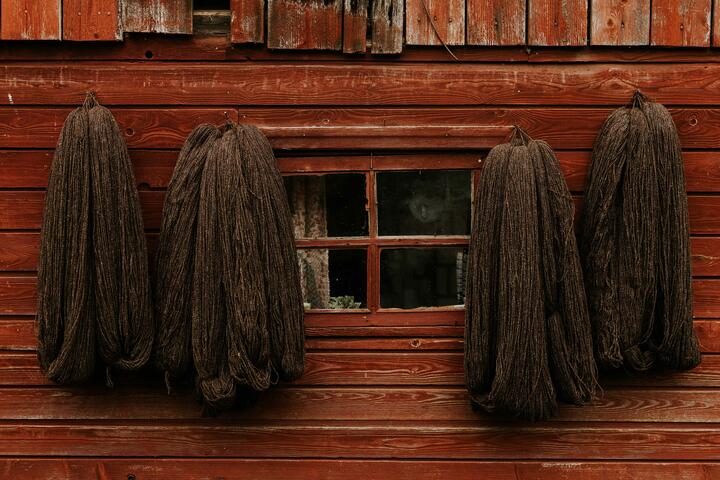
328 205
333 279
430 202
422 277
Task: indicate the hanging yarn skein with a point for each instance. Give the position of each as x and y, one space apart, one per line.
93 287
527 332
636 243
228 241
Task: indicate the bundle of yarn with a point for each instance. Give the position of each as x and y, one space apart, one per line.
94 305
228 296
636 244
527 335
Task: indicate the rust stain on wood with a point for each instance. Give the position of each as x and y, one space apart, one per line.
557 22
30 19
305 24
443 21
681 23
620 22
496 22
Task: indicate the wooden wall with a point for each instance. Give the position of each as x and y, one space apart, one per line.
383 394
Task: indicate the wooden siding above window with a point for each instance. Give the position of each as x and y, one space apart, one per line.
380 26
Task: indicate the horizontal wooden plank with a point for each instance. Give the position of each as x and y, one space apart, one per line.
30 215
366 440
220 48
153 168
378 369
142 128
342 469
331 404
167 128
18 297
703 209
18 334
187 83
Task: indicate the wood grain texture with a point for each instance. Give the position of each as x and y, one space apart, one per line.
388 20
355 20
496 22
298 469
557 22
157 16
620 22
681 23
91 20
365 440
343 404
407 369
343 84
30 19
703 210
305 24
17 333
434 22
165 128
247 21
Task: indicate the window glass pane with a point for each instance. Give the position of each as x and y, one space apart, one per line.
422 277
429 202
328 205
333 279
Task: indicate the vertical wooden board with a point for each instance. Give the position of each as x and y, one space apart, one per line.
434 22
557 22
716 23
355 19
247 21
496 22
91 20
157 16
305 24
388 18
620 22
681 23
30 19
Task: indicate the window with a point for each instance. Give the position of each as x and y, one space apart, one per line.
382 236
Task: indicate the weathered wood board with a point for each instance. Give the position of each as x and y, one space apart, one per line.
247 21
620 22
30 19
435 22
681 23
91 20
305 24
496 22
157 16
560 23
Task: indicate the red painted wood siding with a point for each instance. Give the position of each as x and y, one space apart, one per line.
383 394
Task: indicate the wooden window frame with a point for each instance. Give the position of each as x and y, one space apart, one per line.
370 150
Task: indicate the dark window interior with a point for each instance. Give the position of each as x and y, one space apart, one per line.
211 5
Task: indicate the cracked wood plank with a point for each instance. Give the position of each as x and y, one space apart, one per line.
355 19
388 17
